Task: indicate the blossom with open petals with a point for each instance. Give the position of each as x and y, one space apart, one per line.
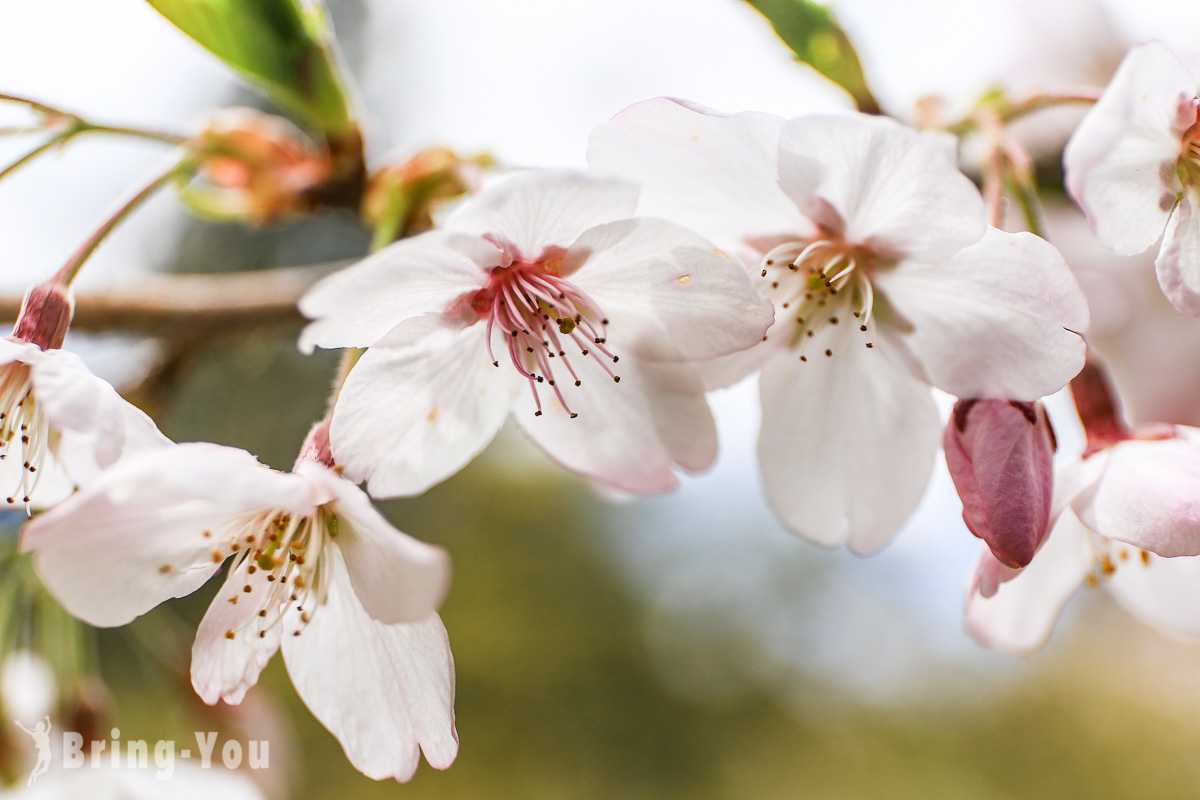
59 423
886 280
1130 519
1133 166
314 570
541 297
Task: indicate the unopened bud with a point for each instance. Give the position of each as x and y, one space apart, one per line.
45 315
259 167
1000 454
402 196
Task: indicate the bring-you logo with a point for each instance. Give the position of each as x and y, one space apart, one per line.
69 750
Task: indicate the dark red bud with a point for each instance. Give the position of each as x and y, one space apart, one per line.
45 315
1000 454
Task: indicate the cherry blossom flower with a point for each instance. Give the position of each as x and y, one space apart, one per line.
886 280
1133 166
1128 517
314 570
59 423
540 297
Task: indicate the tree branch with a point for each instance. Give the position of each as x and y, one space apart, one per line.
170 305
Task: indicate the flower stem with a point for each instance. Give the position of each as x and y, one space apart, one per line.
1098 405
32 154
1043 100
77 124
70 270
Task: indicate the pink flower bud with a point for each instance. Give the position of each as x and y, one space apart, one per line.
1000 455
45 315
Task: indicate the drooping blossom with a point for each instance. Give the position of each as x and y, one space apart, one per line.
1126 514
59 423
1001 457
1133 166
886 281
539 296
314 570
1128 519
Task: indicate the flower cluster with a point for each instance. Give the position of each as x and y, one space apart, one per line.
845 261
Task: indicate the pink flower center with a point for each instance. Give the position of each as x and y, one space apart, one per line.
820 285
1188 168
546 321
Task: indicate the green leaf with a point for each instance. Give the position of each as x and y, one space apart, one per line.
278 45
810 30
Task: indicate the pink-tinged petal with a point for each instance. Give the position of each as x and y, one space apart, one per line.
152 527
1178 262
383 690
1162 592
881 184
534 211
1148 496
430 273
847 443
15 350
419 405
668 294
1121 161
75 400
1020 616
1000 319
627 435
990 574
234 642
1001 457
396 577
714 173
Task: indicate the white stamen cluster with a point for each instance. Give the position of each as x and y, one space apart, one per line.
542 316
24 429
289 549
819 283
1109 555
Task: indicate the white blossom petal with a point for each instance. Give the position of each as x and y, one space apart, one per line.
1121 161
847 443
430 273
1148 496
147 529
1178 262
668 294
1162 592
396 577
534 211
233 642
1020 616
419 405
99 425
1000 319
628 435
881 184
382 690
714 173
